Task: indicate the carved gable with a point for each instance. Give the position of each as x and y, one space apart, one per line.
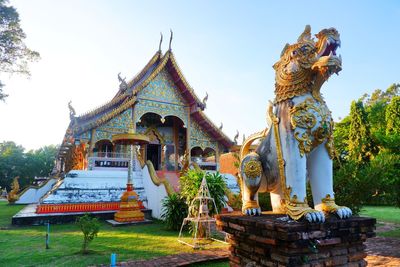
161 96
119 124
162 88
200 138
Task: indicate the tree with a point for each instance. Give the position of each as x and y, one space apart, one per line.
12 163
15 162
360 142
341 138
89 227
14 54
382 122
393 116
41 161
371 129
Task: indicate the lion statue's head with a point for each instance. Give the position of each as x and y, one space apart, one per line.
304 66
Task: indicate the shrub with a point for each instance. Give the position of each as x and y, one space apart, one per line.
89 227
234 200
191 181
264 199
350 190
174 210
383 173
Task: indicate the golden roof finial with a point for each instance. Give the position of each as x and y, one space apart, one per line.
205 100
159 46
236 137
170 39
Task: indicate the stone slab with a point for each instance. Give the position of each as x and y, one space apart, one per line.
117 224
275 240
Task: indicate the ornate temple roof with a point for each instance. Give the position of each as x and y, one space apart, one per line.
126 97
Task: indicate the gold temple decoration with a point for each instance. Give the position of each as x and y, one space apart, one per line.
281 162
297 210
204 101
78 157
252 169
245 148
251 204
329 205
129 207
304 117
159 46
13 194
170 38
290 84
299 63
185 164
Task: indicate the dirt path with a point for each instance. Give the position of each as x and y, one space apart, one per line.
384 251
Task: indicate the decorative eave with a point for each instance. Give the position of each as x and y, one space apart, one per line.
78 129
151 76
66 144
120 96
133 82
179 79
88 115
213 130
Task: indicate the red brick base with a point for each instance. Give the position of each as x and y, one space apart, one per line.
268 241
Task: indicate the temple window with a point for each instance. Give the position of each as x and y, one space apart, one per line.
104 148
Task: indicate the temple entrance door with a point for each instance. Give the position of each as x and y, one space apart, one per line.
154 155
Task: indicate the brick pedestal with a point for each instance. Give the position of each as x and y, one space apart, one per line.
268 240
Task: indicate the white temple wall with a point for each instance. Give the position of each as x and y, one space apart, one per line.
155 194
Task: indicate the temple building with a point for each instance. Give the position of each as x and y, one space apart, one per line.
158 103
158 106
161 110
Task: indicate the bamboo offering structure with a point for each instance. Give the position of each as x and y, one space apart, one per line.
199 216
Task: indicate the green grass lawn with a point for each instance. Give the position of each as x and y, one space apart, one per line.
384 214
6 212
25 246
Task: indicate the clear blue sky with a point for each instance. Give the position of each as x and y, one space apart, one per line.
226 48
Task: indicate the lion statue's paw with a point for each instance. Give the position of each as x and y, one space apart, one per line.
343 212
315 216
329 206
252 211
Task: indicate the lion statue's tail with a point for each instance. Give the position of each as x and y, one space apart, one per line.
258 167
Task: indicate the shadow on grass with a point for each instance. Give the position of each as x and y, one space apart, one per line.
87 253
25 245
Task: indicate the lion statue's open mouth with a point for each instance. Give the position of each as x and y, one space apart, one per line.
327 60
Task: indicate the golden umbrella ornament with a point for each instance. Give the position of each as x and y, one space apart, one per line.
129 207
